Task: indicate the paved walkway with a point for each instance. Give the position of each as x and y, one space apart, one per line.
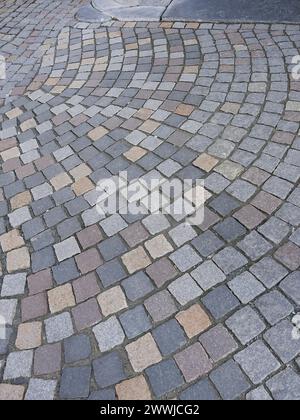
147 306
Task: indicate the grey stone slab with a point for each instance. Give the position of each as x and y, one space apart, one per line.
246 287
220 302
230 260
230 381
104 395
108 370
75 382
5 339
40 390
285 386
218 343
18 365
246 324
200 391
258 394
169 337
257 362
269 272
164 377
274 307
135 322
77 348
291 286
234 10
109 334
137 286
254 246
281 339
208 275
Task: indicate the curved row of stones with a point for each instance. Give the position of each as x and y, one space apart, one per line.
148 306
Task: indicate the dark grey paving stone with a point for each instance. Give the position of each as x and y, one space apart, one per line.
135 321
137 286
77 348
169 337
104 395
164 377
111 272
65 271
231 10
91 15
108 370
75 382
207 244
230 229
201 391
274 307
43 259
220 302
112 248
43 240
230 381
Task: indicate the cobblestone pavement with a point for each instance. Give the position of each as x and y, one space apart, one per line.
148 306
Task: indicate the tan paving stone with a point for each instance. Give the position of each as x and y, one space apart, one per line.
184 110
231 108
80 171
194 320
14 113
12 153
18 259
205 162
149 126
97 133
60 298
60 181
82 186
230 170
11 392
112 301
27 125
134 389
11 240
143 114
136 260
21 200
135 153
29 335
158 246
143 353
